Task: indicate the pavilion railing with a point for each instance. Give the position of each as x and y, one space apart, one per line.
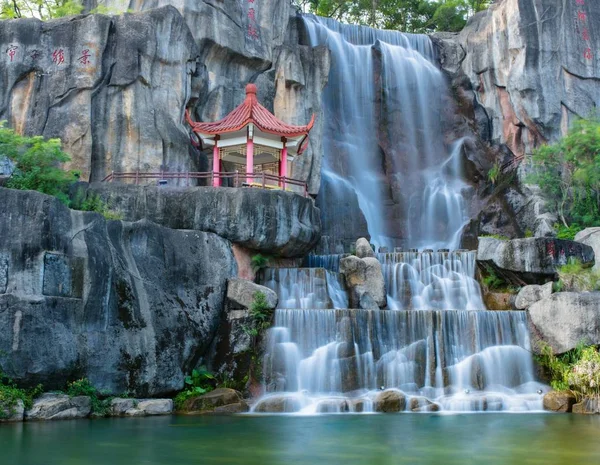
237 179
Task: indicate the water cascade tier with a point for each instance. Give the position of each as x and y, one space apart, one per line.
340 360
391 170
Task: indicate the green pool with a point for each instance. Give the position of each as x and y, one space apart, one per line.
487 439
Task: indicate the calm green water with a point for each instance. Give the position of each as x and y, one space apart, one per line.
487 439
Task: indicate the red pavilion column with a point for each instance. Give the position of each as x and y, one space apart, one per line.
283 165
216 164
250 156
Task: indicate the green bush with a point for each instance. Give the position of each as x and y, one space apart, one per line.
559 367
199 382
567 232
575 277
259 262
568 173
93 203
10 394
584 376
83 387
37 164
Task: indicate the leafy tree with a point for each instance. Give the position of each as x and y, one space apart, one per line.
42 9
37 164
451 15
568 173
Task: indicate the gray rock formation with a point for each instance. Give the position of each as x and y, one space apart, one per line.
130 306
241 293
529 295
591 237
12 413
241 42
113 89
59 407
364 249
565 319
529 66
364 280
531 260
272 222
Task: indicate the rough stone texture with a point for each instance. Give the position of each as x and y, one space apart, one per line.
559 401
235 49
241 292
15 413
529 295
119 109
566 318
278 404
531 260
526 66
59 407
119 406
150 304
390 401
364 279
591 237
363 248
155 406
272 222
587 407
498 300
214 399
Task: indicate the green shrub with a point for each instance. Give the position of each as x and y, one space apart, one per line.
83 387
584 376
575 277
259 262
567 232
199 382
559 367
10 395
496 236
93 203
494 173
37 164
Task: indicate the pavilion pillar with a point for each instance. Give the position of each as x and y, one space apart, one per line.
283 164
216 164
250 156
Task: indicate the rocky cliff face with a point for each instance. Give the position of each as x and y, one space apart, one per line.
131 306
241 41
112 88
530 67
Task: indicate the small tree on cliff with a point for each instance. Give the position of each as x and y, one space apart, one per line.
568 172
36 164
42 9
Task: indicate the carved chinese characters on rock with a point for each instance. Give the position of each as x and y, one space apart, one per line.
11 51
84 59
581 27
58 56
253 27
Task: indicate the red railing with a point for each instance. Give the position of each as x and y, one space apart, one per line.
262 180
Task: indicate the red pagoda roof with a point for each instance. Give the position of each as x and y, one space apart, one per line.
250 111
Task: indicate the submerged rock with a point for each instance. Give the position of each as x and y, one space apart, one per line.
279 404
364 279
565 319
52 406
241 293
559 401
390 401
529 295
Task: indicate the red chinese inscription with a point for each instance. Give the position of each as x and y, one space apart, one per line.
12 51
35 54
84 59
253 30
58 56
581 16
580 2
585 35
587 54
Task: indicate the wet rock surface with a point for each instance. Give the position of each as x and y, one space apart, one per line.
390 402
364 279
241 293
559 401
223 399
59 407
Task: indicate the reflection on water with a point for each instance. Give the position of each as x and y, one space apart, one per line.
490 439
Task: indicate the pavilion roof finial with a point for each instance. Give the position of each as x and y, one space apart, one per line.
251 89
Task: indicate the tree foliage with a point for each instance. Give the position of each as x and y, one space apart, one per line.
568 173
403 15
36 164
42 9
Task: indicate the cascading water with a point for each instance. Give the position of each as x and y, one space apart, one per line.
436 344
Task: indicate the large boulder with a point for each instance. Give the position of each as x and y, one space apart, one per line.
390 401
533 260
12 413
531 294
591 237
52 406
130 306
364 249
241 293
273 222
559 401
214 400
565 319
279 404
364 279
113 89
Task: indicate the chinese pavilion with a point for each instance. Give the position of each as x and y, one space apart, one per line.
254 140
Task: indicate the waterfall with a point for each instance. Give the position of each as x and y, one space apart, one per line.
457 360
384 140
